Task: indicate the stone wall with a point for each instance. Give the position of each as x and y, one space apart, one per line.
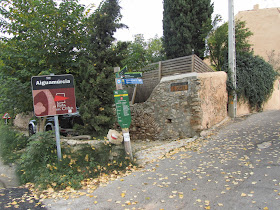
22 120
181 106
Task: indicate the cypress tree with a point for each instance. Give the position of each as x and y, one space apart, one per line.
96 76
186 24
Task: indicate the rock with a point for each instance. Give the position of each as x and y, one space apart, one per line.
83 137
264 145
115 137
204 133
71 142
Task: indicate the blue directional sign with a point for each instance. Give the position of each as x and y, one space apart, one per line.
132 81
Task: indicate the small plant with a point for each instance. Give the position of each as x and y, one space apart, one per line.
39 163
11 143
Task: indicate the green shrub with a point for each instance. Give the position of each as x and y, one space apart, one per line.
39 163
11 143
255 79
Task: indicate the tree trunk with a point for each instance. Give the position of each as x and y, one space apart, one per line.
41 124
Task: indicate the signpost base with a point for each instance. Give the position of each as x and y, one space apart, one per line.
127 144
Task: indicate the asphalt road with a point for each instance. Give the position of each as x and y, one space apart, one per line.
18 198
11 195
236 168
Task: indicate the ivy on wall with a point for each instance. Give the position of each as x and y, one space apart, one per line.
255 79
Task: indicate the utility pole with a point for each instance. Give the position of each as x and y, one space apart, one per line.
232 107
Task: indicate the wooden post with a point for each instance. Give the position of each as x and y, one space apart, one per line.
193 60
134 94
125 131
159 70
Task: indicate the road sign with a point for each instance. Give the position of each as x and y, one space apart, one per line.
6 116
122 108
53 95
119 81
132 75
122 71
133 81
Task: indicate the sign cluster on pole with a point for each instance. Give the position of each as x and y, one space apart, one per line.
129 78
122 102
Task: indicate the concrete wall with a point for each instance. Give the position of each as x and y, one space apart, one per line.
214 97
273 102
264 23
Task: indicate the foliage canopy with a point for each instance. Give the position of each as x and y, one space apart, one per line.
96 75
45 38
186 24
217 43
140 53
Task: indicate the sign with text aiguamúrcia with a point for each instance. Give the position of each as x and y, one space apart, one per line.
122 108
53 95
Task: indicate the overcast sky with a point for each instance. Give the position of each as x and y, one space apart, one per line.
145 16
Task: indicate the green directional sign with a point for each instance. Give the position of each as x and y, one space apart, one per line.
129 75
122 108
122 71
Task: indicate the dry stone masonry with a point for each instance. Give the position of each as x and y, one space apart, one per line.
177 107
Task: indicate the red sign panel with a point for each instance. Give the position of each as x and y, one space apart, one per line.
53 95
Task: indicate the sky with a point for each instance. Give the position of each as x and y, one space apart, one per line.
145 16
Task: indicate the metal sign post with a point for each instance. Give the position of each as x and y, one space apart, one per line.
57 136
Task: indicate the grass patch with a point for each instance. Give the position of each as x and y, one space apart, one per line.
12 144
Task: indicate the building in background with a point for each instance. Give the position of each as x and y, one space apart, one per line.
265 25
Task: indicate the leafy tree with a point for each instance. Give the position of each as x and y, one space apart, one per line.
186 24
136 56
48 38
96 76
44 38
155 51
140 53
255 79
217 43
